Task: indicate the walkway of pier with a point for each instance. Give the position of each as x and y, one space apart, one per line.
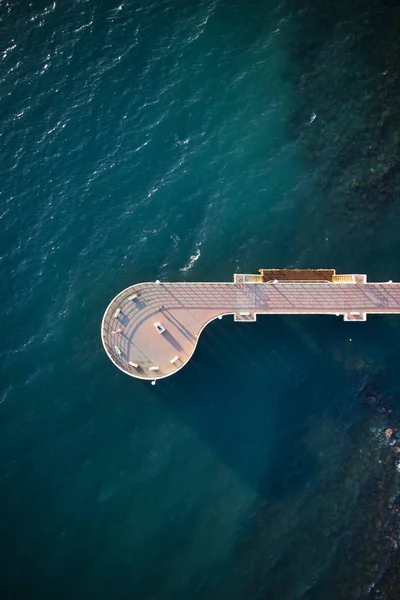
135 346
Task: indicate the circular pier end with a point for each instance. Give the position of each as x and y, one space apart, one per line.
150 330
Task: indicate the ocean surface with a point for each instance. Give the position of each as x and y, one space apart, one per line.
186 141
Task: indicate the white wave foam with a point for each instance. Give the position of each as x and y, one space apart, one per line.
192 260
7 50
84 26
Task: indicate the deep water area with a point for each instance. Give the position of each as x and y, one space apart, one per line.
188 141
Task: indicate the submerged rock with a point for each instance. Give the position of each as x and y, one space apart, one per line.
370 400
388 433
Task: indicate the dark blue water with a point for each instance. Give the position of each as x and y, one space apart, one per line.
188 141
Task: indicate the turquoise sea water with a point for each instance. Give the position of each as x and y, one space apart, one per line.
188 141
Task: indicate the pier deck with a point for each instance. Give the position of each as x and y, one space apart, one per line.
134 345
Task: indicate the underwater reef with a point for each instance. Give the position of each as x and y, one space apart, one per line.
344 68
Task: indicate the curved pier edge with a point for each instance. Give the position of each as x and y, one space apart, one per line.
138 290
154 378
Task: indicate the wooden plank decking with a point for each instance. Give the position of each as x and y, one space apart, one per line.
135 346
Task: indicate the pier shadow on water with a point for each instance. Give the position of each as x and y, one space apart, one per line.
253 390
278 403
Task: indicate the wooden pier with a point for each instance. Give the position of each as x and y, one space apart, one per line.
150 330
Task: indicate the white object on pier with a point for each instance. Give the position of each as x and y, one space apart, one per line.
154 368
244 314
117 350
160 328
133 298
133 364
117 313
173 360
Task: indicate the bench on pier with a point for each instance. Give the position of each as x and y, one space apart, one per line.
160 328
355 316
245 316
